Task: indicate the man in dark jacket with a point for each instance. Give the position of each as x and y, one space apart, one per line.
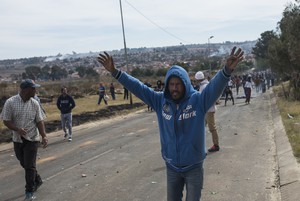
181 113
65 103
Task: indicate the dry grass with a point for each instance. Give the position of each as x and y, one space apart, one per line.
85 104
288 109
1 125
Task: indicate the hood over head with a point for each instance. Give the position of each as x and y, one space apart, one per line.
181 73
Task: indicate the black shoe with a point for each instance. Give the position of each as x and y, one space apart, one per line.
37 184
214 148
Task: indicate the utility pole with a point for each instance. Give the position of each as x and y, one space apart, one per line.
125 48
209 54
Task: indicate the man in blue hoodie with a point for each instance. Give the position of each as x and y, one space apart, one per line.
181 119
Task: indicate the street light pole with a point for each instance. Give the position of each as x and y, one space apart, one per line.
125 48
209 54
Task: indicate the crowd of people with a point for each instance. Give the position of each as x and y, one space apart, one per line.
260 81
176 100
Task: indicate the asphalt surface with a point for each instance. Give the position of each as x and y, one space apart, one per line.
119 159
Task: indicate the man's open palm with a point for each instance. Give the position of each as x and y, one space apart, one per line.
107 61
234 58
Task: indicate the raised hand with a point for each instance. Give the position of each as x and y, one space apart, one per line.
234 58
107 61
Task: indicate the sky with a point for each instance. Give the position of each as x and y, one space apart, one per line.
32 28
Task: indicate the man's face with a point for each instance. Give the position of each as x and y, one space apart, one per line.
32 91
29 92
176 88
64 91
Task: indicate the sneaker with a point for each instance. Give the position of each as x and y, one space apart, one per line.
70 139
29 196
214 148
66 135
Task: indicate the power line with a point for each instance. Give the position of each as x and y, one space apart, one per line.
152 22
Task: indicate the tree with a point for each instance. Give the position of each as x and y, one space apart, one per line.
58 73
161 72
284 50
260 49
290 46
33 72
278 57
148 72
15 77
24 76
91 72
136 72
45 72
84 72
201 65
81 71
290 33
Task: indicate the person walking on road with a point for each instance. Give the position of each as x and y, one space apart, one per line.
181 119
23 115
65 103
210 115
237 81
112 91
228 92
248 89
101 94
125 93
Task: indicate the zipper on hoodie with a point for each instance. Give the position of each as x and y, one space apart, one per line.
178 108
176 135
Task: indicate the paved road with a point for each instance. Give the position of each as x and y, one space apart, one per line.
119 159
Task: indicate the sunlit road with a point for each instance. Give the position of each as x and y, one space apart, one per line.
119 159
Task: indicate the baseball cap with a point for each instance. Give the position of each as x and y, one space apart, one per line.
28 83
199 75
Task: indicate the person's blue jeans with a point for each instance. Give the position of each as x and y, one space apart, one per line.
66 123
193 179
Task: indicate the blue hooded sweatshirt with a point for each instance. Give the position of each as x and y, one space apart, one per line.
182 123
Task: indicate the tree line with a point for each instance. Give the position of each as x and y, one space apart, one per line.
56 72
280 50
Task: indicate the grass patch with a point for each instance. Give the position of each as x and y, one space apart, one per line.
85 104
290 108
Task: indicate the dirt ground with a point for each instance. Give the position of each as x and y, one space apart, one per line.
55 125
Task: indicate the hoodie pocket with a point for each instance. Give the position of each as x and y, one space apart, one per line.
190 154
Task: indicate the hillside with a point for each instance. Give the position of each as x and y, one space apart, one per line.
153 58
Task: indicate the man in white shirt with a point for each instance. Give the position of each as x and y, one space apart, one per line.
210 115
23 115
